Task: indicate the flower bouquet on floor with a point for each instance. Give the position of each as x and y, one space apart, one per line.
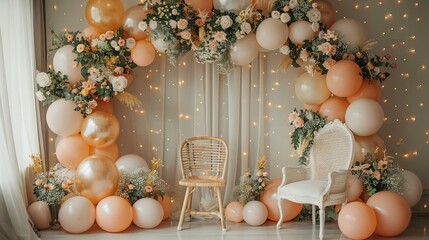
252 186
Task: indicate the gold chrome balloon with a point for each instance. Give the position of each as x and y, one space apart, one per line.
105 14
100 129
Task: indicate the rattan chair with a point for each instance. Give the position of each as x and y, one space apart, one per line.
203 162
323 183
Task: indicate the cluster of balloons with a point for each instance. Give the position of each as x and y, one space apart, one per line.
255 213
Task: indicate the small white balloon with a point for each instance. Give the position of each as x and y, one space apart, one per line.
148 213
232 6
272 33
130 162
364 117
40 215
62 119
413 188
255 213
352 31
245 50
77 214
300 31
63 62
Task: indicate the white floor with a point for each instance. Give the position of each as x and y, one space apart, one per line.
210 229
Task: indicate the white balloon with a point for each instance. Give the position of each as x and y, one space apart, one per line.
62 119
351 30
364 117
148 213
63 62
130 162
77 214
40 215
234 6
300 31
245 50
255 213
272 33
413 188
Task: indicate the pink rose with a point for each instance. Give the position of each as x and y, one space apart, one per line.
199 22
370 66
121 42
182 24
213 45
106 99
80 48
185 35
292 116
109 35
220 36
69 37
148 189
377 175
299 122
92 104
327 49
329 63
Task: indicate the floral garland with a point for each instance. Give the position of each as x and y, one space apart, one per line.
251 187
379 174
306 123
53 186
142 183
104 61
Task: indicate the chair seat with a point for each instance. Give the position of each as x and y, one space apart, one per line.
202 182
307 189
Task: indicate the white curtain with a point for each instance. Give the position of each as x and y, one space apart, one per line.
18 123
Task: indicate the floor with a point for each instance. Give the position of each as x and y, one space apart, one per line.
210 229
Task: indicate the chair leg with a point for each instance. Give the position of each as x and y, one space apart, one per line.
313 213
280 205
189 205
184 206
322 222
219 199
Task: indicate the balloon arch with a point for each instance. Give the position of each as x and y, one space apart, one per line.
90 67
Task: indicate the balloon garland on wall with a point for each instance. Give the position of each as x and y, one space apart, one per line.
341 80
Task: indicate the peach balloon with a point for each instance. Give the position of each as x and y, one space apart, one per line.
111 151
62 119
71 151
133 16
290 210
344 79
244 50
368 89
354 188
143 53
369 144
100 129
129 77
392 211
255 213
105 14
114 214
63 62
77 214
166 206
327 11
274 183
353 32
147 213
334 108
234 212
357 220
40 215
364 117
272 34
300 31
104 106
96 178
200 5
91 32
314 108
311 90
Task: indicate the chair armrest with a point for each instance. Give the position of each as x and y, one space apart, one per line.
294 174
337 182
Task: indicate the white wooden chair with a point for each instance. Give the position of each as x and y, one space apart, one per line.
203 162
324 182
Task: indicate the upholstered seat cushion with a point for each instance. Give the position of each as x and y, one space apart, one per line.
308 189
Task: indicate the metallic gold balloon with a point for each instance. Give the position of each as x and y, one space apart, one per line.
100 129
105 14
96 178
329 14
133 16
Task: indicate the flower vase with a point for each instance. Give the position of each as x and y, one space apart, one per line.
55 224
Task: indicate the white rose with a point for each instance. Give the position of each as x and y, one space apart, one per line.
293 3
315 26
314 15
174 12
142 26
43 79
246 27
119 83
225 22
285 18
173 23
275 14
285 50
40 96
153 24
113 44
131 43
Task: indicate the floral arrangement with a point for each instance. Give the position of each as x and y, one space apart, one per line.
171 21
379 174
104 60
52 186
142 183
306 123
217 33
289 11
252 186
